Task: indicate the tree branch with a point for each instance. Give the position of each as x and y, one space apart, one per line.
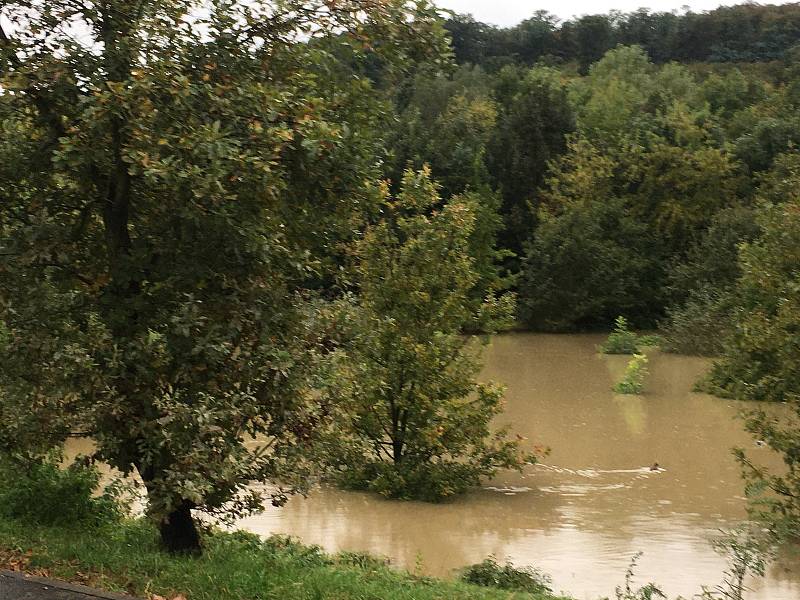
50 117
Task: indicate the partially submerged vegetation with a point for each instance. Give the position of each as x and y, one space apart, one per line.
759 355
632 381
412 421
622 340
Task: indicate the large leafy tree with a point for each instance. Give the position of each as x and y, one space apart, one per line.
590 260
532 128
154 157
453 143
759 360
640 182
416 423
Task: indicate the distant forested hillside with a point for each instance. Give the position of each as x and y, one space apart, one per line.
744 33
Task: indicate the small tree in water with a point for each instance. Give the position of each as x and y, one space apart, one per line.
622 340
417 423
632 381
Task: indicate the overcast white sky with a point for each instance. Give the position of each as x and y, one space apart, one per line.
511 12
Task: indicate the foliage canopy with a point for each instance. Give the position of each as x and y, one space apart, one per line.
417 424
155 173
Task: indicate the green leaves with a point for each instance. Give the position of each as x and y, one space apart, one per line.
622 340
417 425
759 356
170 183
774 495
632 381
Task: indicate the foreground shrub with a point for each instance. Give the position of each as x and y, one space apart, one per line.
748 551
40 491
289 547
774 494
490 573
362 560
629 592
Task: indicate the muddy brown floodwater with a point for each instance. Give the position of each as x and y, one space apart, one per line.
594 502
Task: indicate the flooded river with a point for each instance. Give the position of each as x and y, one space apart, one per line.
593 503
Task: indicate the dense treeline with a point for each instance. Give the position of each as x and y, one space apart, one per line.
743 33
615 190
633 189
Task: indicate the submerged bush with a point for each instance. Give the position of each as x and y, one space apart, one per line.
622 340
40 491
699 317
424 481
699 326
651 340
413 422
490 573
632 381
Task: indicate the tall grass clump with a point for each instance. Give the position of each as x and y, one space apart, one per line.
40 491
622 340
629 592
490 573
632 381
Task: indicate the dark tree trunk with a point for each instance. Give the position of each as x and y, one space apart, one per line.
179 533
397 451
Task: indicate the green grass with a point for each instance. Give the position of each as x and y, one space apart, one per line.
234 566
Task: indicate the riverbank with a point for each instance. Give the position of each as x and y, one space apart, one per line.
125 557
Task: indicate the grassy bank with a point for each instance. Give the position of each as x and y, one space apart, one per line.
125 557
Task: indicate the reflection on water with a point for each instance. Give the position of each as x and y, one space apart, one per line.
594 503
